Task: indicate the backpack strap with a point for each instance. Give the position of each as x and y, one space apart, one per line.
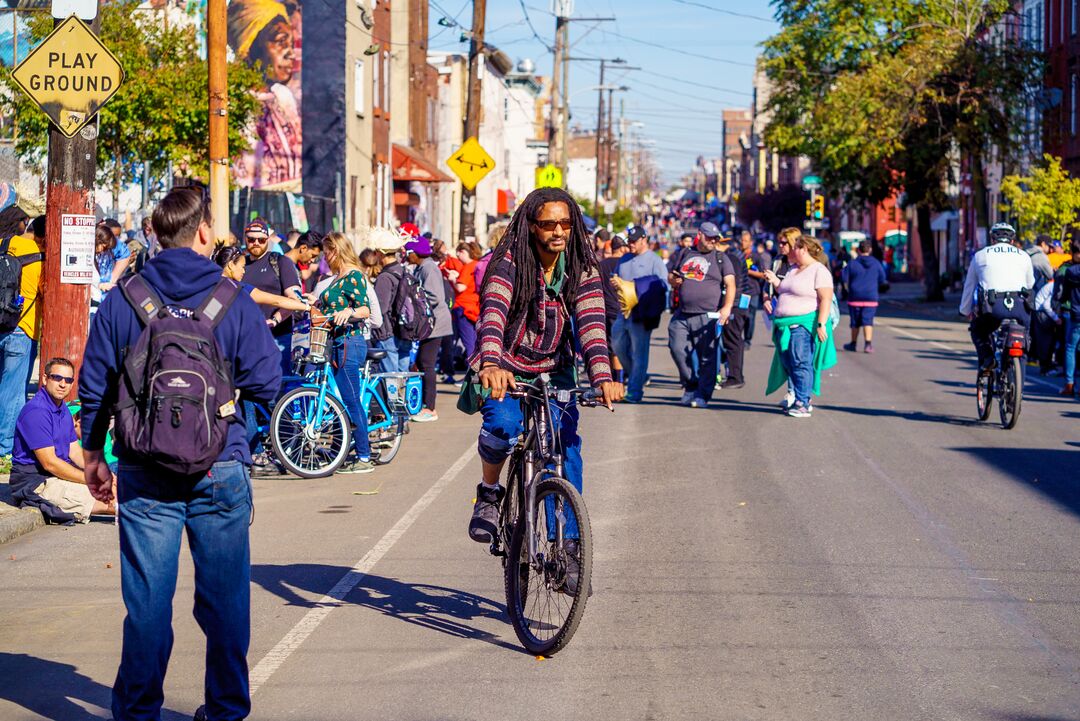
275 264
141 296
25 260
5 245
216 304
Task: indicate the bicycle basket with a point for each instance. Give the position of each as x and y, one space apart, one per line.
404 391
320 336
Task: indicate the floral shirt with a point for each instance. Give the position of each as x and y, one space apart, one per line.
347 292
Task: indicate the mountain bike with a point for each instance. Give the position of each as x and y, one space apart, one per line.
310 428
1005 378
540 513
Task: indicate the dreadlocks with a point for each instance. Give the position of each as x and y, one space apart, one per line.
517 243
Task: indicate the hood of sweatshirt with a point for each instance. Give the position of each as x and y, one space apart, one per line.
180 275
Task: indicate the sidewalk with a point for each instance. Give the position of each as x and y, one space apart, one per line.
15 522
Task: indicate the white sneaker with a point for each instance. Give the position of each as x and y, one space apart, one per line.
789 400
687 398
699 403
798 410
425 416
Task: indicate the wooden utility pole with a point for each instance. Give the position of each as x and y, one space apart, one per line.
555 150
472 113
599 129
64 308
219 116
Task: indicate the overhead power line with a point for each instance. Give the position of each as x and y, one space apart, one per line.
681 52
725 12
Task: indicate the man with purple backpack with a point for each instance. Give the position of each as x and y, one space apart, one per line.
172 351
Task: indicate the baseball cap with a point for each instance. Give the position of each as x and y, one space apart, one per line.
618 242
421 246
634 233
410 229
709 230
257 228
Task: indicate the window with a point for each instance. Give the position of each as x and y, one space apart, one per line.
376 87
359 95
1072 105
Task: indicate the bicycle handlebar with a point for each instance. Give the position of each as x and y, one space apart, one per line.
588 397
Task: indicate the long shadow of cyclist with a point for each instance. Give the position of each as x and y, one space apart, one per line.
438 608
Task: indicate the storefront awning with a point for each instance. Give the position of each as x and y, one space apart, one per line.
410 165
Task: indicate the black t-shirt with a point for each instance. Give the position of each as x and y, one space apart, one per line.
608 270
260 274
702 289
763 262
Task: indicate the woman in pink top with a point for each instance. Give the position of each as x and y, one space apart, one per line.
801 308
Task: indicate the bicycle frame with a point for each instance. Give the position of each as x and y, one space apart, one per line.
320 378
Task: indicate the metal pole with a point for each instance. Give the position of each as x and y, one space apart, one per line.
564 102
609 139
472 113
219 119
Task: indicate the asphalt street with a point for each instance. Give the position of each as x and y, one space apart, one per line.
889 558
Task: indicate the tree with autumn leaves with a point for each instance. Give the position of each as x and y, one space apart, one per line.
161 112
889 96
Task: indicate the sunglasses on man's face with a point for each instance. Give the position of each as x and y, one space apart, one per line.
255 241
551 225
61 379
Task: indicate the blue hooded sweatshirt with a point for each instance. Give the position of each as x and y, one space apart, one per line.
864 277
181 277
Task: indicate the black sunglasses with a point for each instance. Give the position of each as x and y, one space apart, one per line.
61 379
551 225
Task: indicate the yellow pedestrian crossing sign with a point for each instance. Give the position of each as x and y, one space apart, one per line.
549 176
470 163
70 75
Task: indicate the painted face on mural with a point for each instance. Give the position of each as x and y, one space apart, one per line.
274 49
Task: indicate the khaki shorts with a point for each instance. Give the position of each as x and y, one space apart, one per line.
73 498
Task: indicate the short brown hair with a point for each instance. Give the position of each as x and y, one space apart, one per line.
177 217
58 361
473 249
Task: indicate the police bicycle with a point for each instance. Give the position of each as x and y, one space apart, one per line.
544 536
1004 380
310 428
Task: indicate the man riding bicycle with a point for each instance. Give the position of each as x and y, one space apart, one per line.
542 284
998 282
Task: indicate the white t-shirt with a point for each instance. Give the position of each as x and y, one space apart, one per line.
1001 267
797 293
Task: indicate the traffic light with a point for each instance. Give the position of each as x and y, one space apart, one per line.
819 207
809 212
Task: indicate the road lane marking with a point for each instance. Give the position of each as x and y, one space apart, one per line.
941 346
292 640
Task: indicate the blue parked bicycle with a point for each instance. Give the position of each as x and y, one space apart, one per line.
310 428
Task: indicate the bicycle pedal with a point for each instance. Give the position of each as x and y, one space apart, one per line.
496 550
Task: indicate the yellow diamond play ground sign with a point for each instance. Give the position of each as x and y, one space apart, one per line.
470 162
70 75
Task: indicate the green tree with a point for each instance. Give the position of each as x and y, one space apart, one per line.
160 113
1045 201
887 95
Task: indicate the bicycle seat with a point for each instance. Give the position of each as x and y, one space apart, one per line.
376 354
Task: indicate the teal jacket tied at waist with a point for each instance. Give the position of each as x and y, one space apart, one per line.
824 353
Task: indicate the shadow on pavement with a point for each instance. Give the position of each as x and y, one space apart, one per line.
906 415
51 689
1050 471
438 608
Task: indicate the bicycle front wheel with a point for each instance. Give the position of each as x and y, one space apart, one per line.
546 594
310 442
984 394
1012 393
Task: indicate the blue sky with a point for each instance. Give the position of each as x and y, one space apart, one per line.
678 95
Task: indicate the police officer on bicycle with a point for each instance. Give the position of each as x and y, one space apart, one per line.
999 281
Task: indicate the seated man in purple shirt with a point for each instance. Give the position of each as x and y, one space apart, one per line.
47 460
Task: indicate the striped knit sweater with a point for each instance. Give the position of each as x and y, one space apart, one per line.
508 344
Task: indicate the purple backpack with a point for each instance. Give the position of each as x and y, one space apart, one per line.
176 397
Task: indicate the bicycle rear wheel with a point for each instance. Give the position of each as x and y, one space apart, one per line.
984 394
385 442
306 448
1012 393
545 602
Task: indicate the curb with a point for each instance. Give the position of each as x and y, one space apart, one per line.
15 522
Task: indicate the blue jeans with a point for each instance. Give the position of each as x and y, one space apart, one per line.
798 361
251 424
284 344
1072 344
630 340
398 351
350 354
16 357
504 422
155 508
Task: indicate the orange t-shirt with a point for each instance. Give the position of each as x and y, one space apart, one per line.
468 300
